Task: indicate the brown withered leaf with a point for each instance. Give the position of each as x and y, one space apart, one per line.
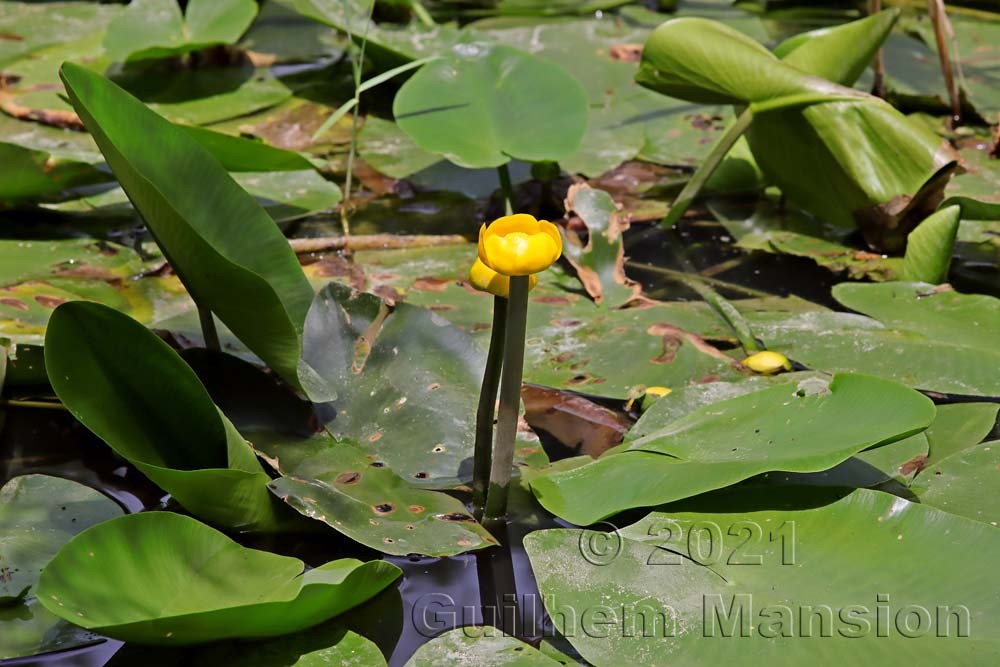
580 424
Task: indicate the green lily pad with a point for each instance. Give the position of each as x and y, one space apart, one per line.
936 340
977 53
156 29
30 26
959 426
478 107
799 427
229 254
161 419
29 175
762 576
38 514
963 483
348 489
483 646
166 579
407 381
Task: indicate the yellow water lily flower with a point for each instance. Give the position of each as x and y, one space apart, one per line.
767 362
519 245
486 279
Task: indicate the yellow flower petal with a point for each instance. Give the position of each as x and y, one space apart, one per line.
519 245
486 279
767 362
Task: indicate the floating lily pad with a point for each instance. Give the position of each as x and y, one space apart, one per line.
478 108
799 427
30 26
38 514
762 576
964 483
156 28
166 579
483 646
406 380
354 492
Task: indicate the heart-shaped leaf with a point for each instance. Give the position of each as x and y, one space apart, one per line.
156 29
166 579
225 248
482 105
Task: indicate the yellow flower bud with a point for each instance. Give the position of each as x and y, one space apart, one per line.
657 391
486 279
519 245
767 363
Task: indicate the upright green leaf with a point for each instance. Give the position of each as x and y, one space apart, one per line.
845 156
483 104
156 29
165 579
930 245
135 393
225 248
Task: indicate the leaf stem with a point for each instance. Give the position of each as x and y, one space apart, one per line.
483 454
878 67
705 170
942 31
510 402
45 405
506 188
208 330
421 13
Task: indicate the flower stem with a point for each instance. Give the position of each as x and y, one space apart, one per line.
701 175
483 454
510 401
506 188
208 330
44 405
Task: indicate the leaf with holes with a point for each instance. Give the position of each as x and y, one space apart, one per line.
600 264
347 488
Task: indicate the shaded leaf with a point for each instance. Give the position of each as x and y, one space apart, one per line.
156 29
406 381
38 514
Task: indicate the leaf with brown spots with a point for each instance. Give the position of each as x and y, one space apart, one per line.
575 421
332 482
600 264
